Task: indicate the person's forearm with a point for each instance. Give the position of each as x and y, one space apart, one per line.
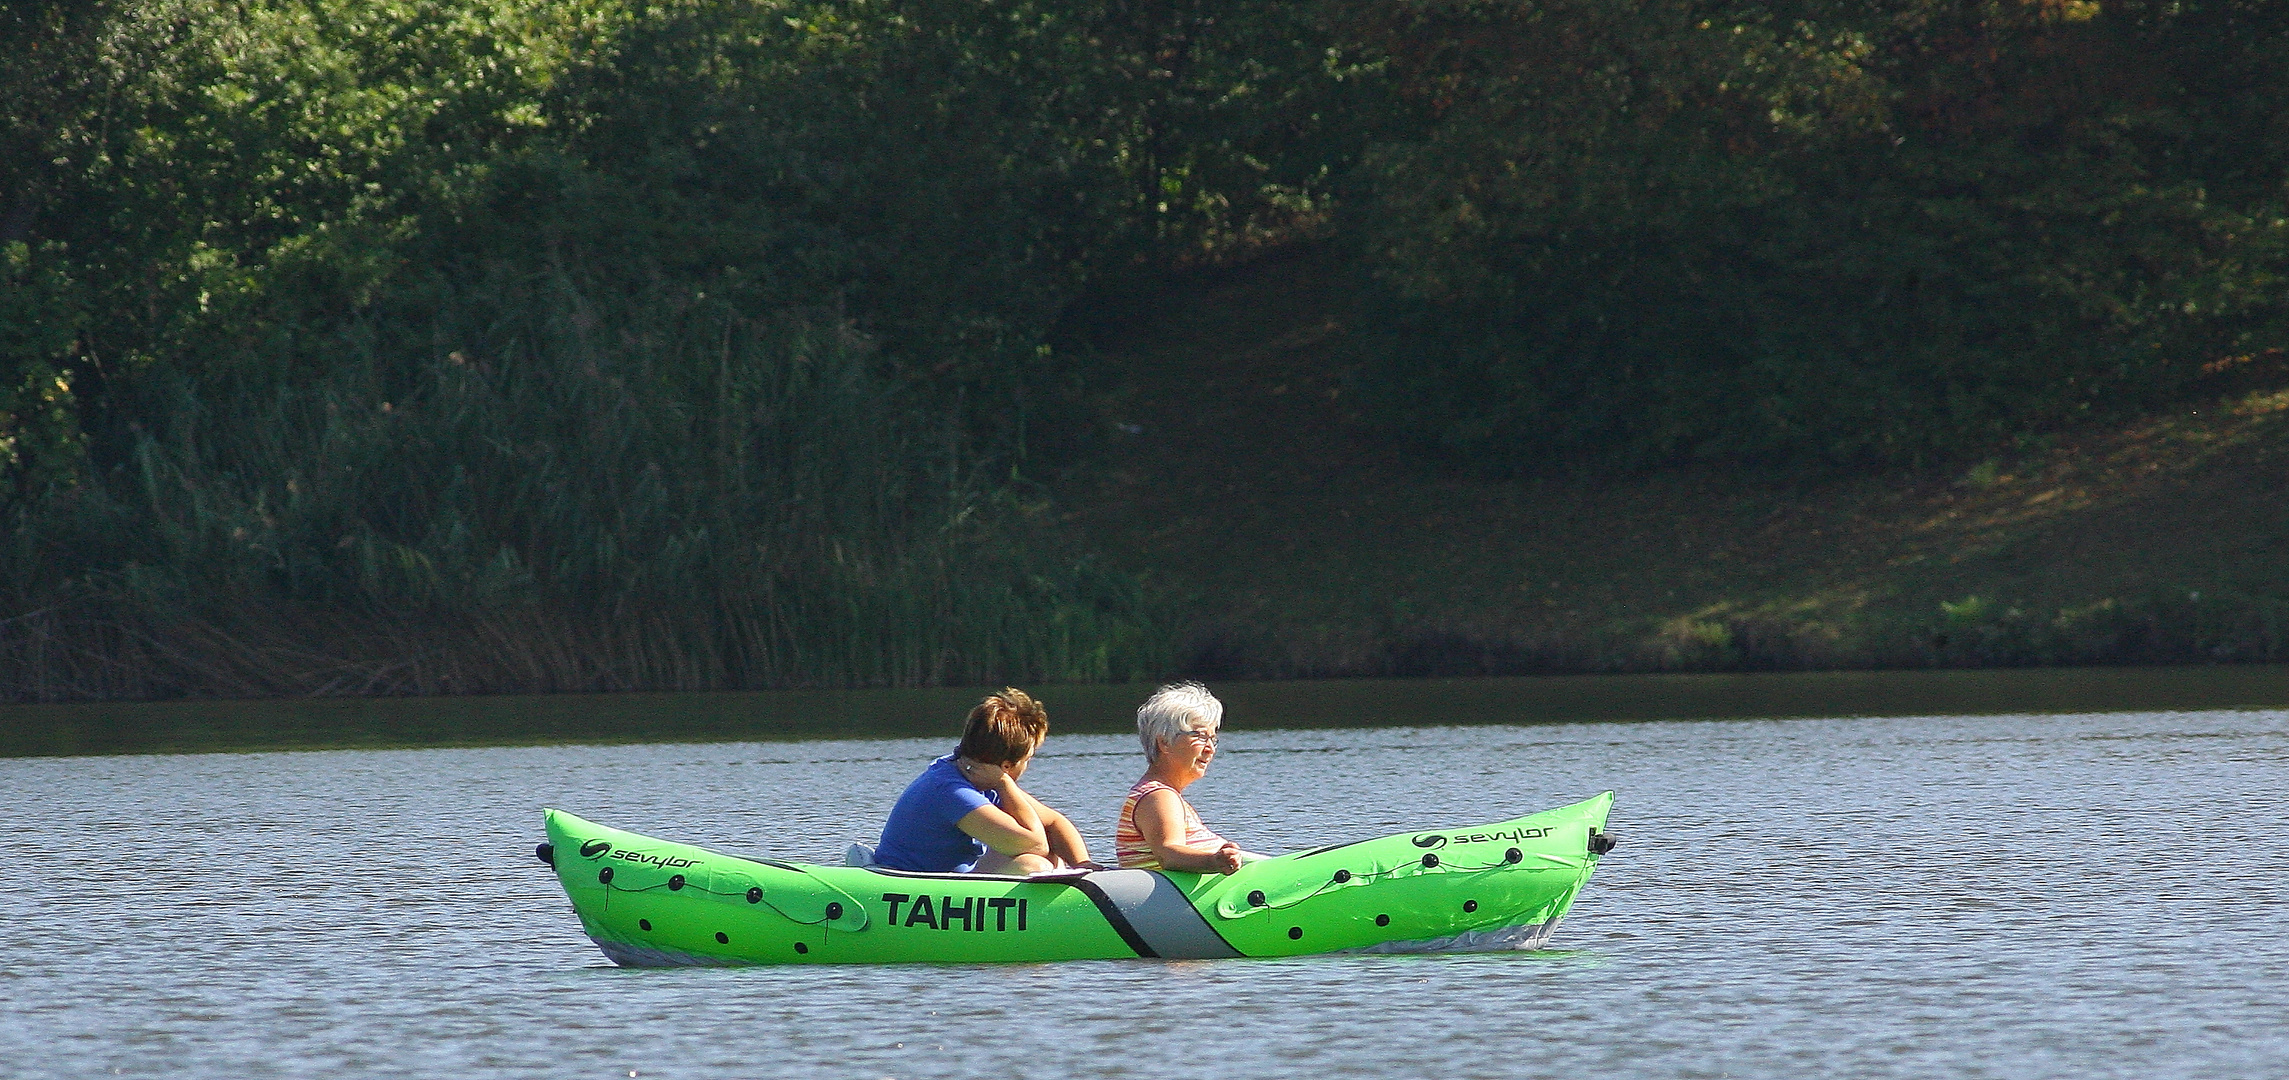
997 829
1020 807
1010 839
1197 860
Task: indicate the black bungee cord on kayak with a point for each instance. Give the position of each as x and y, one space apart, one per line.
754 894
1429 861
677 883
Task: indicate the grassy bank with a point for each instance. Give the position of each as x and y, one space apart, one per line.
1299 541
1238 517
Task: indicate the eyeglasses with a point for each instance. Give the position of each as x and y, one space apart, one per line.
1205 738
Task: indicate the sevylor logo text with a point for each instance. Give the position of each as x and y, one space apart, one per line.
1430 840
1487 837
665 862
595 848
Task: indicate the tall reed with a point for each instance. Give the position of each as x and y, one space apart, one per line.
543 487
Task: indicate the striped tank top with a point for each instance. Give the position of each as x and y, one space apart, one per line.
1129 842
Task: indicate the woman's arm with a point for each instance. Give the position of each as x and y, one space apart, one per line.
1003 833
1013 828
1160 818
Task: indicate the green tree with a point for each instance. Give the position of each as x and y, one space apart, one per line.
1650 231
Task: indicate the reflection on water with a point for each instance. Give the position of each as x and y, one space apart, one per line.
2005 896
322 723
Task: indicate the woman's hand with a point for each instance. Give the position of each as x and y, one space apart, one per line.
986 777
1228 858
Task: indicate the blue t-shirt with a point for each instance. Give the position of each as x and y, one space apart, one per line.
921 833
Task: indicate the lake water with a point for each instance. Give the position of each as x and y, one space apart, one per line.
2089 895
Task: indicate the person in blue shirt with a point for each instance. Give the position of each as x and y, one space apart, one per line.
966 815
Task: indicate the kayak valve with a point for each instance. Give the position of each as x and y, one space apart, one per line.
546 853
1600 842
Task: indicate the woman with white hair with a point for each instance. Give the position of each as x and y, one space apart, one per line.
1159 830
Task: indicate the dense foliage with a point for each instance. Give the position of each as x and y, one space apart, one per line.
1638 231
421 345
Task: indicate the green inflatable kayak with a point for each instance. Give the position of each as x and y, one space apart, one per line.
652 903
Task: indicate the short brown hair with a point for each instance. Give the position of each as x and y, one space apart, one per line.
1004 729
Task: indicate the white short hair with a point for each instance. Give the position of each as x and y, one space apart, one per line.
1174 709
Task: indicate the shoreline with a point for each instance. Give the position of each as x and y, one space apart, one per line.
373 723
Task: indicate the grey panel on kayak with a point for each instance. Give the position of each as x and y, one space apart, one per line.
1162 915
